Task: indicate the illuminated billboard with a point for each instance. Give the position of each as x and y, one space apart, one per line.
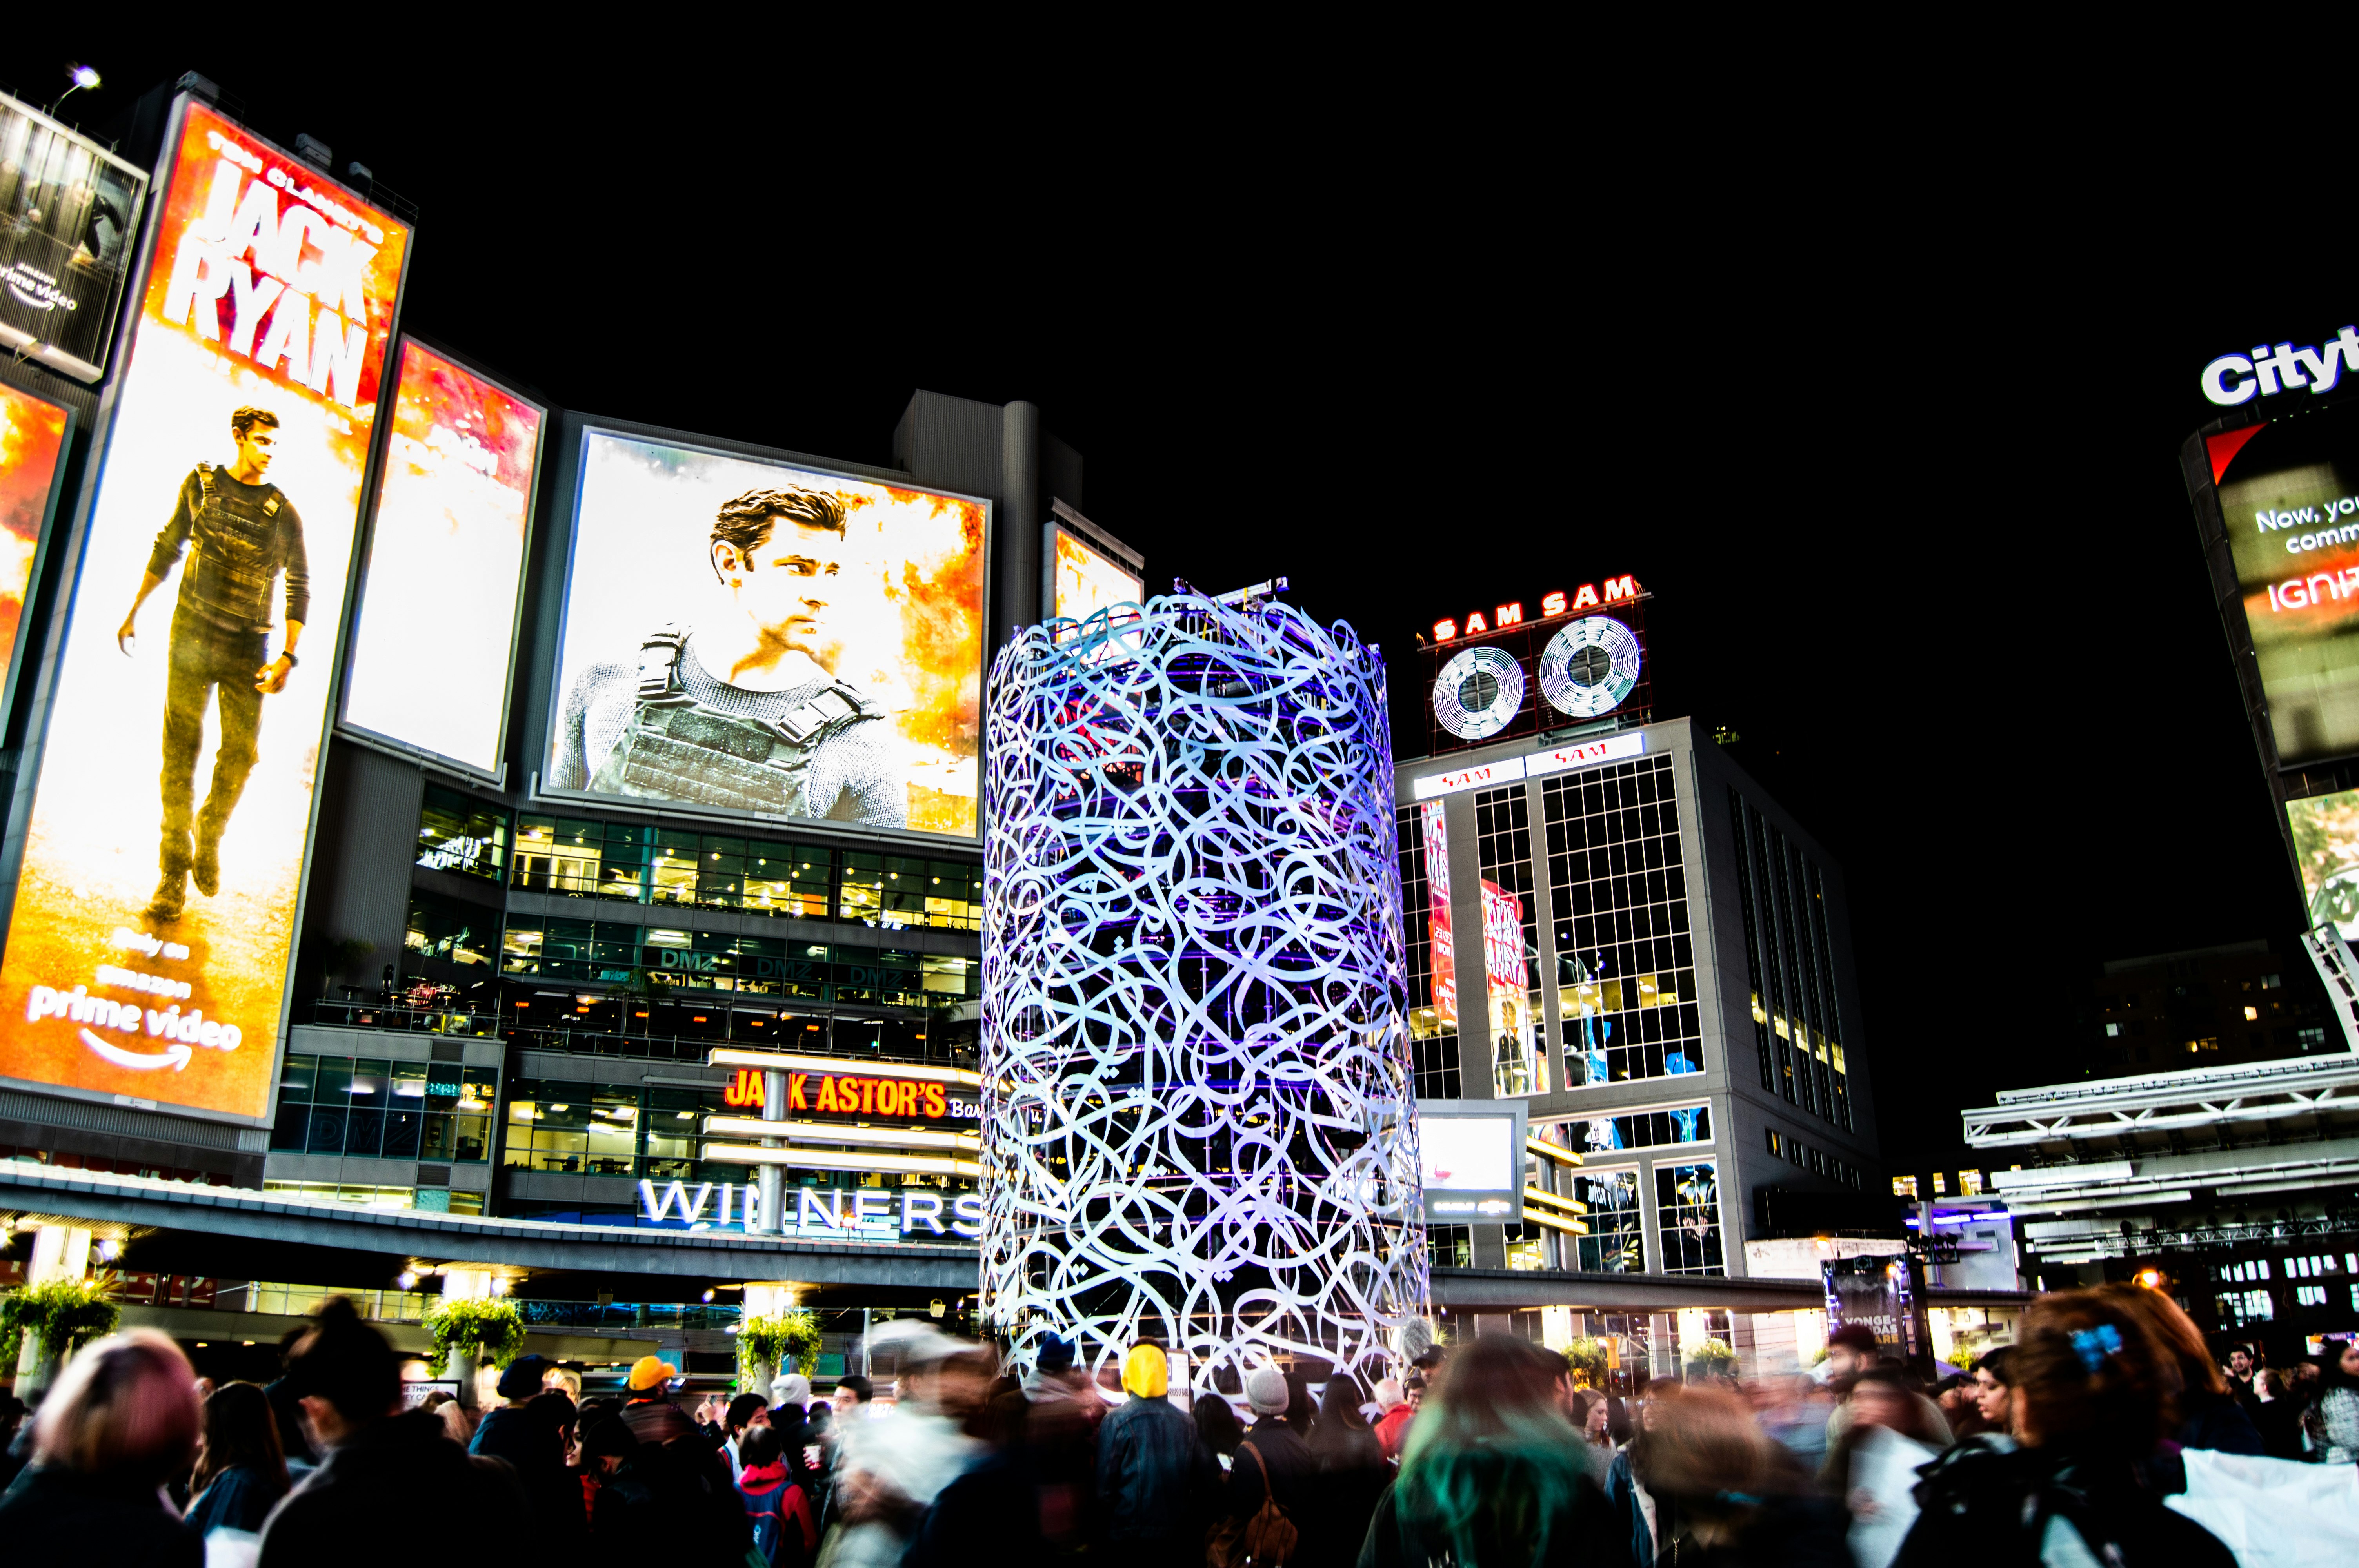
69 210
1569 660
748 636
1471 1160
156 908
1084 576
2325 830
33 434
436 628
2288 494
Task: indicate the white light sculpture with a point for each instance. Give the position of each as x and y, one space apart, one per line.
1198 1120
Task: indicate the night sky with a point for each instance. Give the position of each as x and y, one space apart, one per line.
1887 424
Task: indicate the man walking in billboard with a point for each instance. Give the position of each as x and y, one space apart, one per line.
246 533
747 712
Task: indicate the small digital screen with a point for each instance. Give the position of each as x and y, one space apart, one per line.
2326 849
1469 1153
1087 579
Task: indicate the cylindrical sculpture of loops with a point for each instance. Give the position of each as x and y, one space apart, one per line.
1198 1120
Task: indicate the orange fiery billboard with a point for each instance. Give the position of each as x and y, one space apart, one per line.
32 455
748 636
155 912
436 627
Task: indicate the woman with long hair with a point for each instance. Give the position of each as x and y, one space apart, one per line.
1726 1496
2094 1396
120 1419
1491 1477
1217 1424
1352 1475
241 1468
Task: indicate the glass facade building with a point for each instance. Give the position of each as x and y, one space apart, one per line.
1659 958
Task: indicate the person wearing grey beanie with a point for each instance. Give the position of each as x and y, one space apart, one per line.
1287 1473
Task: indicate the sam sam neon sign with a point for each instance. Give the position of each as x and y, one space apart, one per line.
1613 591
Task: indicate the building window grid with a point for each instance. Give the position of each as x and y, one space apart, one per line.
367 1107
1504 848
1637 1129
1687 1215
1617 1240
634 863
1433 1051
1787 944
1618 891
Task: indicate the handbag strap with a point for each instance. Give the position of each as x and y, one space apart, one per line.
1264 1463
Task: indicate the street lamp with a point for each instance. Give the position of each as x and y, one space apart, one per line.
84 76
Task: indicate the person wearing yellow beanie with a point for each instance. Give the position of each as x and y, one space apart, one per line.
1157 1482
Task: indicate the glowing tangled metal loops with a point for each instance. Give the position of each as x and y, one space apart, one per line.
1198 1120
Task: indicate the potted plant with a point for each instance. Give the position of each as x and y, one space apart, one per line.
1587 1358
1712 1358
470 1330
784 1342
46 1321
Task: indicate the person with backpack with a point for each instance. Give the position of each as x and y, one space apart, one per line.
785 1535
1273 1479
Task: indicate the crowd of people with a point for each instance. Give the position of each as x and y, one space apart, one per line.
2065 1448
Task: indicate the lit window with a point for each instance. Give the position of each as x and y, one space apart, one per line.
1904 1186
2252 1015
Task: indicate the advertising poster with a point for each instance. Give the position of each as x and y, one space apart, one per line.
435 625
155 912
32 449
1885 1293
67 212
1437 883
1516 1067
2289 497
747 636
2326 847
1085 580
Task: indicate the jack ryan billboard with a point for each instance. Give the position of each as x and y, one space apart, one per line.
155 907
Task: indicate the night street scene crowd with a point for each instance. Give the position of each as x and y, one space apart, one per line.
2100 1436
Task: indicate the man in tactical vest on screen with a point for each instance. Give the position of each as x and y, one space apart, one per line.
245 533
744 712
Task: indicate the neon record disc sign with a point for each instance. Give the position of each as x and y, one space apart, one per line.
1589 667
1471 674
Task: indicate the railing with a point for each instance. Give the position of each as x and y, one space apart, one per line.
585 1041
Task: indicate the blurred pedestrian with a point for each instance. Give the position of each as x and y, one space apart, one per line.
1352 1476
1157 1486
458 1425
1627 1497
2240 1376
786 1532
1851 1350
1054 1422
378 1465
1878 1460
2279 1420
241 1470
1794 1412
1954 1396
563 1380
1217 1424
893 1464
1301 1409
530 1433
2338 1401
12 1428
1597 1445
1727 1497
1392 1417
2092 1392
852 1394
119 1421
2207 1417
294 1437
1490 1476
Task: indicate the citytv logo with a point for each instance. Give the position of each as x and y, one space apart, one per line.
2233 379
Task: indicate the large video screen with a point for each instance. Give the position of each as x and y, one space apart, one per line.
2326 849
436 627
156 911
1085 579
2289 497
32 456
743 635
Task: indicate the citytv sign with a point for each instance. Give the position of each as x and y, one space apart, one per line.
2234 379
